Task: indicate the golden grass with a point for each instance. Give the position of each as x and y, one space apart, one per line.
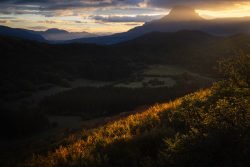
81 150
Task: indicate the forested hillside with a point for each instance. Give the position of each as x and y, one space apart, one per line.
31 66
208 128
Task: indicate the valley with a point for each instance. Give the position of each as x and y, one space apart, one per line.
156 83
158 76
172 91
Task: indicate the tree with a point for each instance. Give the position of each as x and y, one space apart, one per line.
236 69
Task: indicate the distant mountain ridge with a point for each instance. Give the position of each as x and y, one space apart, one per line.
179 18
21 33
53 34
55 30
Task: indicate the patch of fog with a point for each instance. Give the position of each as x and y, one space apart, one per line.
171 70
36 97
165 70
156 76
73 84
88 83
151 82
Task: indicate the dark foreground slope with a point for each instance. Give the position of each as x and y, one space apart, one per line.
208 128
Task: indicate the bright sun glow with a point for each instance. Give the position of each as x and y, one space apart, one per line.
238 10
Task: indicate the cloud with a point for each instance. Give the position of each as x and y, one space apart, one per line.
3 21
71 4
48 22
78 22
61 4
7 17
132 24
137 18
50 8
104 15
38 27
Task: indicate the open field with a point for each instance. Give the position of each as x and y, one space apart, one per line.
157 76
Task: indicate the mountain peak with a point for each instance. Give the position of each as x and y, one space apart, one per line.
182 13
55 30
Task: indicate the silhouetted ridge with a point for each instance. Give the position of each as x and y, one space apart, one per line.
21 33
55 30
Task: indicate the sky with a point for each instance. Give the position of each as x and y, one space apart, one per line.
106 16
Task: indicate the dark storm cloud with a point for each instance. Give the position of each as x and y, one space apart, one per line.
71 4
57 4
47 7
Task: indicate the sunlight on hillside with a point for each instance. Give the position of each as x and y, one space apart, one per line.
184 131
119 131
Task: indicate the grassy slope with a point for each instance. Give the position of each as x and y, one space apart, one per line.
207 128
